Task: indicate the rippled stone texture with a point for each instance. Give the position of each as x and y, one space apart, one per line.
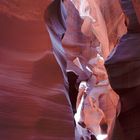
33 103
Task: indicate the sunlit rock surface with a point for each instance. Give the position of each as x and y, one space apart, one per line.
34 103
102 20
123 64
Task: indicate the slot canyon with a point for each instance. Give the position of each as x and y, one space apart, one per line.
69 70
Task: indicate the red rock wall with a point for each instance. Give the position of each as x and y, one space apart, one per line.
33 105
33 102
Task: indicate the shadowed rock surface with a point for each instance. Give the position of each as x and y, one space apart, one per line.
33 105
34 101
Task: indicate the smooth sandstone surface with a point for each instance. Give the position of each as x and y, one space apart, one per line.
33 105
34 102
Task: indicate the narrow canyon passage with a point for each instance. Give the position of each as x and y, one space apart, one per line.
53 82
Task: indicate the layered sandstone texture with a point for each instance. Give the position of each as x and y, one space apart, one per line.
33 103
34 100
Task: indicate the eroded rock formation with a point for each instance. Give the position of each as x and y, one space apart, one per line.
38 77
33 105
